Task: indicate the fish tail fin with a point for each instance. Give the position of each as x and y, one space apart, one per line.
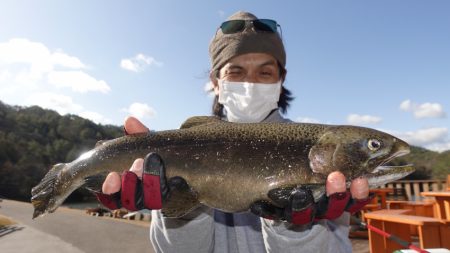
42 195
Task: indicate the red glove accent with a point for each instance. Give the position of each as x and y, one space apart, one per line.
112 201
137 194
302 217
355 205
335 206
133 189
300 210
128 192
152 191
154 181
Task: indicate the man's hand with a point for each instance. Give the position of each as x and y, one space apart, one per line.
301 209
339 199
143 186
359 187
112 183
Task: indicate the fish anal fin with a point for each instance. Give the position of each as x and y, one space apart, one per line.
181 199
199 121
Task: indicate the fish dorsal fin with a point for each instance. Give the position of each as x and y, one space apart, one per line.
100 142
199 121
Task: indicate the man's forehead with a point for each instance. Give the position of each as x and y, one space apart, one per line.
251 61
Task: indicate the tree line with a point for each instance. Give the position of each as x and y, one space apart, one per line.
33 139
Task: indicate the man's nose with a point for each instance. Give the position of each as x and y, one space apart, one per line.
251 78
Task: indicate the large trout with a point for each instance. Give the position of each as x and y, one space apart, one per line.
229 166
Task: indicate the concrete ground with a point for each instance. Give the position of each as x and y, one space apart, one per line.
55 233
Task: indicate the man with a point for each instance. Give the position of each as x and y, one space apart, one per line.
248 71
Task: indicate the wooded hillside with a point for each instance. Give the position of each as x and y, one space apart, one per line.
33 139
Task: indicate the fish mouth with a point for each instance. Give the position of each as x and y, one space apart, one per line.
402 150
385 174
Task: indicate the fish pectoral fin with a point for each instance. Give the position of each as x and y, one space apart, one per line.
317 190
181 199
199 121
281 196
94 183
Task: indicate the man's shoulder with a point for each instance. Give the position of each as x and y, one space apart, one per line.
276 116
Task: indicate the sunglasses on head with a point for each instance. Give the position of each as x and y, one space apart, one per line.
239 25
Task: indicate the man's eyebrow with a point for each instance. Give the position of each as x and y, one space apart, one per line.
269 63
234 67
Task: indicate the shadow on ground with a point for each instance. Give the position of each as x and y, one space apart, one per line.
6 230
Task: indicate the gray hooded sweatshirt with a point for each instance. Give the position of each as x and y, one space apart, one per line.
209 230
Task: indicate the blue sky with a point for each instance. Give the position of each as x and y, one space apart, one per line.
381 64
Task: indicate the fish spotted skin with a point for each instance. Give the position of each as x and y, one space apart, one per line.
229 166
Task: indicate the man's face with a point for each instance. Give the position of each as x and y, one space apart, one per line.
252 68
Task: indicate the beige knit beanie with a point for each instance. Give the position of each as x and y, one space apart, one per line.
223 47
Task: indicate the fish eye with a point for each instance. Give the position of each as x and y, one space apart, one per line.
374 144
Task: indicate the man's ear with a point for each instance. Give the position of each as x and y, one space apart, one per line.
214 82
283 73
283 76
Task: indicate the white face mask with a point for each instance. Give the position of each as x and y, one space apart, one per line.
248 102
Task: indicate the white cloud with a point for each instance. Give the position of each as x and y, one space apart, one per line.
95 117
406 105
60 103
433 138
64 105
439 147
30 73
307 120
78 81
140 110
425 110
23 51
139 63
36 56
128 65
28 65
4 75
64 60
356 119
429 110
426 136
221 13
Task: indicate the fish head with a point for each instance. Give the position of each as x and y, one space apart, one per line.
354 151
